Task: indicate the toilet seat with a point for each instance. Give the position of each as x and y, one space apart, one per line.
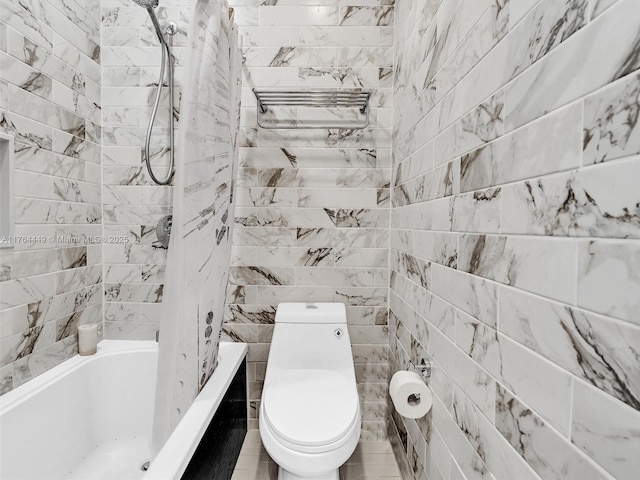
311 411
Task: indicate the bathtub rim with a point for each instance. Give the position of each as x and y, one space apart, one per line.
174 456
106 348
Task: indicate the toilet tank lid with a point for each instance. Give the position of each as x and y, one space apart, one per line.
311 313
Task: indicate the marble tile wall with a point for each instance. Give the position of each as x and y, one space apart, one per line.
514 236
132 203
312 212
50 89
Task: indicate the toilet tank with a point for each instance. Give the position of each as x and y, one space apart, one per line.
311 336
311 313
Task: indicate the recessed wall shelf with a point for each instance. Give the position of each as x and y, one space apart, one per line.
6 190
313 98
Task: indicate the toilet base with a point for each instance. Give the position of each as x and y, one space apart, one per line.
285 475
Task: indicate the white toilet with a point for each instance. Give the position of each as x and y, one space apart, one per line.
310 413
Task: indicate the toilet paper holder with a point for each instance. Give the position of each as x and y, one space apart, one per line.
423 369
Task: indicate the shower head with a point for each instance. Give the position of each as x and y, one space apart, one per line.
147 3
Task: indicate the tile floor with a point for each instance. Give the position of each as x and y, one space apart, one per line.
370 461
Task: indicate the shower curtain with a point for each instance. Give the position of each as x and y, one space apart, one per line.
203 210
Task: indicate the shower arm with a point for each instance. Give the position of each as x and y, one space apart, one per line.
166 59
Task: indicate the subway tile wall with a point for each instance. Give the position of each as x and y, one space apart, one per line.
132 203
514 235
50 89
312 212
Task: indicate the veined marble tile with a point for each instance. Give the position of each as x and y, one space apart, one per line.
518 9
44 211
611 127
281 177
376 335
440 182
336 277
268 157
361 257
613 439
365 57
254 275
21 19
27 131
46 261
362 15
15 320
298 16
599 6
413 268
550 144
337 197
545 27
346 76
436 311
588 69
39 160
608 283
39 362
471 294
132 292
465 454
599 202
360 218
250 314
283 217
478 341
595 348
467 374
263 236
483 36
436 247
491 447
277 294
338 36
542 266
276 36
362 297
542 447
68 326
481 125
479 211
131 330
25 77
266 197
539 383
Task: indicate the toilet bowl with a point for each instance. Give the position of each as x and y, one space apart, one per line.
309 411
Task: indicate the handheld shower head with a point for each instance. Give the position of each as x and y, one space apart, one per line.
147 3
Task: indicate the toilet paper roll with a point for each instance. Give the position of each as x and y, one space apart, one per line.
410 395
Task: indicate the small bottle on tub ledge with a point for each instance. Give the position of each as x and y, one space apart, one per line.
88 339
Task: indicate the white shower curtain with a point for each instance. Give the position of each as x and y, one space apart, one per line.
203 210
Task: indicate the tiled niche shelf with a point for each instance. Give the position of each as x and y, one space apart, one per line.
6 190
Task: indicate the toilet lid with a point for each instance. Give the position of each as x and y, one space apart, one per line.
310 407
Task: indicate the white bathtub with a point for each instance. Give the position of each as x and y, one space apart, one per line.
90 417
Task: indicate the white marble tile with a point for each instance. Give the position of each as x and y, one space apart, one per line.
598 202
587 69
595 348
541 446
542 266
298 15
610 125
611 439
607 281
